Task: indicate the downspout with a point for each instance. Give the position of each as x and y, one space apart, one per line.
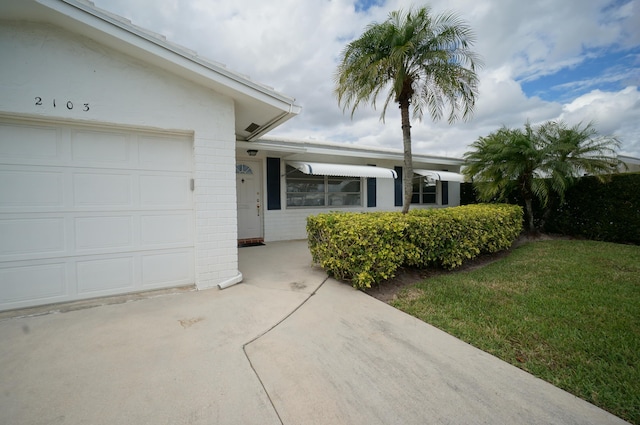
230 282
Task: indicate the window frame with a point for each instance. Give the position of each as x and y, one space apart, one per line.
421 194
324 184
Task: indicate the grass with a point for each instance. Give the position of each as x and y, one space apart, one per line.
566 311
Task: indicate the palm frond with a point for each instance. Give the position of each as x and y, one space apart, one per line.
539 160
414 57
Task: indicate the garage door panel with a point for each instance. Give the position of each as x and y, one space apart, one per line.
34 237
100 148
166 229
26 143
169 268
165 191
30 188
90 211
164 153
103 232
97 276
102 190
43 283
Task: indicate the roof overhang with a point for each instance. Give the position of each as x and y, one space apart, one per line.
258 108
440 175
343 170
301 150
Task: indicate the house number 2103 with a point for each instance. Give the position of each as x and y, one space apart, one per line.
69 104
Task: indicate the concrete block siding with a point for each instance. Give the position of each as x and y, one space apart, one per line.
215 205
290 223
126 93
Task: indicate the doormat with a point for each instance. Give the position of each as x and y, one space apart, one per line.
246 244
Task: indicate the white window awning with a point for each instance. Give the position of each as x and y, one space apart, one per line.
446 176
343 170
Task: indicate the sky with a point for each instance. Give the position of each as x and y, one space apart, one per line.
571 60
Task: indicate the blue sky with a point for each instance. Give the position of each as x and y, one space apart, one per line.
365 5
608 71
571 60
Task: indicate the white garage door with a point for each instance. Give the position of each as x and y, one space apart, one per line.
87 211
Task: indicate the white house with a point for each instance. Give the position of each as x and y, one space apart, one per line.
631 164
281 182
117 156
128 163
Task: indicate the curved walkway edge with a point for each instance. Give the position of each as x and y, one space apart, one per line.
345 357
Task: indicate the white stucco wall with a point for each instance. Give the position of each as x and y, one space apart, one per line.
290 223
94 84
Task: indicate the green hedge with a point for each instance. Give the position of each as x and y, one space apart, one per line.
600 211
367 248
468 194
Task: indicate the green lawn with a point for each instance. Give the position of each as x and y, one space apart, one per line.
565 311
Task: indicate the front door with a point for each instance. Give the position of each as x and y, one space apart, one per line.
249 193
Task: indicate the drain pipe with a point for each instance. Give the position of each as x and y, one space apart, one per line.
230 282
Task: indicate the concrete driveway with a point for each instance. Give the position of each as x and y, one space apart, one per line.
286 346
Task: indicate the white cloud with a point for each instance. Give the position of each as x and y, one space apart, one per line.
612 114
293 46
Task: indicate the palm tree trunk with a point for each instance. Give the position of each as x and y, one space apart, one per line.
407 175
528 202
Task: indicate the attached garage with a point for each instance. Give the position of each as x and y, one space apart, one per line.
88 211
117 156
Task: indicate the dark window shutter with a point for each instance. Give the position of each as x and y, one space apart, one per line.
371 192
444 186
273 184
398 187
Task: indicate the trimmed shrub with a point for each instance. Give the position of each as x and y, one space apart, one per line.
448 237
360 247
368 248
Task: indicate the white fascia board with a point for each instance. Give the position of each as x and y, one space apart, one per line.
277 121
269 147
171 54
334 149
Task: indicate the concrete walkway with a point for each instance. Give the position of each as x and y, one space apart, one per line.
286 346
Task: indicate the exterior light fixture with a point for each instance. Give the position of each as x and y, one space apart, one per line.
252 152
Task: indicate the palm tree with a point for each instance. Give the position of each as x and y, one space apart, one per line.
538 161
420 60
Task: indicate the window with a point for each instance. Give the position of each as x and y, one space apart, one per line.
424 191
305 190
243 169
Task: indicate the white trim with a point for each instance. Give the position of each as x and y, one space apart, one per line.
255 103
314 147
441 175
282 101
343 170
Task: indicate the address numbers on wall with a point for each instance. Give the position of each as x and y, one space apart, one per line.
39 101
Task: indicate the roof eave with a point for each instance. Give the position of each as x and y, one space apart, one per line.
262 105
309 147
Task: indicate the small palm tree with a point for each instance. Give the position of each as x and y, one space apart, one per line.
538 161
420 60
